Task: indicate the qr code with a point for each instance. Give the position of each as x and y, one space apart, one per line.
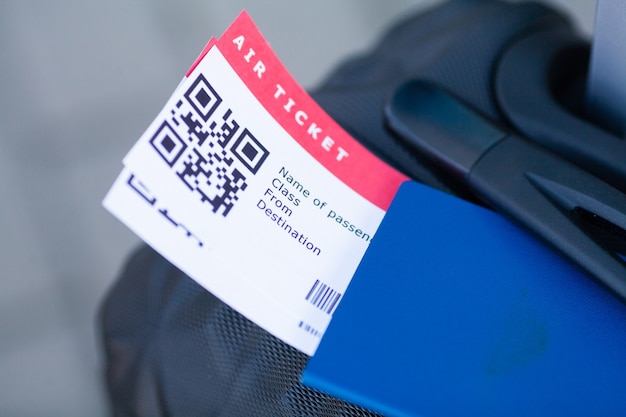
207 148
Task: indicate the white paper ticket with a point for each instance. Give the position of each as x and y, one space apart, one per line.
244 183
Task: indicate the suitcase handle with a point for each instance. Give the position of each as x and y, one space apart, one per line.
540 87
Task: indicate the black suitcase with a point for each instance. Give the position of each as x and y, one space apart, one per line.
174 349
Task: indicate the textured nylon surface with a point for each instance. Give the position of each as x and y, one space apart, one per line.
176 350
173 349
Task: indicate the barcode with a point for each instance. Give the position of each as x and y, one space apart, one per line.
323 297
209 150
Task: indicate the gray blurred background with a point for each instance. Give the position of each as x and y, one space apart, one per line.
79 82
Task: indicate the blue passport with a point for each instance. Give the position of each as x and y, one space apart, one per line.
455 311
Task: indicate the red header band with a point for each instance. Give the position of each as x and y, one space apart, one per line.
255 63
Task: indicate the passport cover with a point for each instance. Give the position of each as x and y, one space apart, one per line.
455 311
